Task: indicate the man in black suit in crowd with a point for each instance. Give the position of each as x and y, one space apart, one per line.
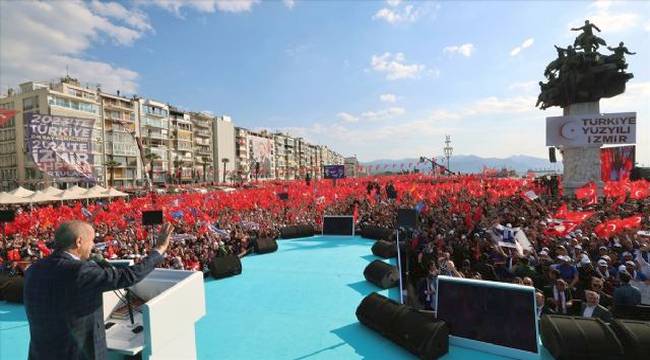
591 309
63 294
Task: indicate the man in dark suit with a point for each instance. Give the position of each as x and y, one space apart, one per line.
63 294
626 294
591 309
560 295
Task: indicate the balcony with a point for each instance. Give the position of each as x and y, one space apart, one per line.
156 135
203 133
201 123
155 123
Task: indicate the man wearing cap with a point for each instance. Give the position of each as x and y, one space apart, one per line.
630 267
63 294
591 309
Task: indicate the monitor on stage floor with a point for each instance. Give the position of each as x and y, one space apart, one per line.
489 316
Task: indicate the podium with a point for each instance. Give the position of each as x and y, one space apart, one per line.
174 302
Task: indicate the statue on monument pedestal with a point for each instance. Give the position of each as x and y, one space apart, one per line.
581 74
587 40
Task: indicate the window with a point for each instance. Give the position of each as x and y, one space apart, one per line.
30 103
72 104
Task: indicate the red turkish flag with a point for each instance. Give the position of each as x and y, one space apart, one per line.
588 192
632 222
6 115
639 190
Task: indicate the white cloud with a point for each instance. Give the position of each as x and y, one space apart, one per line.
34 47
608 19
395 66
526 44
383 114
389 98
209 6
347 118
289 3
464 49
398 14
132 17
393 3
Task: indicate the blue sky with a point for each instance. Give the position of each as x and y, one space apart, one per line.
380 79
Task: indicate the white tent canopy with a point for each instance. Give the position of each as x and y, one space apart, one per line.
52 191
72 194
39 196
6 198
21 192
96 192
112 192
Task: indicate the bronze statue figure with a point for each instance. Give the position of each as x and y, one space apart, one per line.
581 74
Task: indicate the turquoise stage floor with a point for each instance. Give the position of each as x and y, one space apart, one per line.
296 303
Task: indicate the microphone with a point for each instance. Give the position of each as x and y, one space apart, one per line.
99 259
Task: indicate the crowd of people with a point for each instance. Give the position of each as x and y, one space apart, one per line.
587 249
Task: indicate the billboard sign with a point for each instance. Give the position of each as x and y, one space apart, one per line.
334 171
592 129
61 146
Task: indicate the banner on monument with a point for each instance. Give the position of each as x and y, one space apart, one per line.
616 163
61 146
334 171
594 129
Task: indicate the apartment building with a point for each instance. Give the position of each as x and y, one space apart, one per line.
182 145
223 148
121 126
64 97
203 154
154 131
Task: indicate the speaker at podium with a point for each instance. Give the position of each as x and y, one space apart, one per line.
165 306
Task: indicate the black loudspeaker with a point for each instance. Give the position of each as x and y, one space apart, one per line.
225 266
377 233
263 246
13 290
296 231
635 337
152 217
381 274
632 312
551 155
284 196
577 338
7 216
407 218
418 332
386 249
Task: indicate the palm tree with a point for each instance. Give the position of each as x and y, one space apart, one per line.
224 161
151 157
111 165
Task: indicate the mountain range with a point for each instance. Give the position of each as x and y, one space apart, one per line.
471 164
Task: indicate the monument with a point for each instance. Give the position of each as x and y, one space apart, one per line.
576 81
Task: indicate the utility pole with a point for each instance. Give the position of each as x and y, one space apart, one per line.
448 150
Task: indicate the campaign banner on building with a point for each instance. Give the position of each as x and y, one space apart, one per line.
262 154
593 129
616 163
334 171
61 146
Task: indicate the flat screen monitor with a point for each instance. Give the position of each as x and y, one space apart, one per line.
334 171
489 316
338 225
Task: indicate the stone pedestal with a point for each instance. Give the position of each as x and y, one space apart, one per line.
581 164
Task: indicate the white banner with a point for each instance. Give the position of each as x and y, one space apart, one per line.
594 129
